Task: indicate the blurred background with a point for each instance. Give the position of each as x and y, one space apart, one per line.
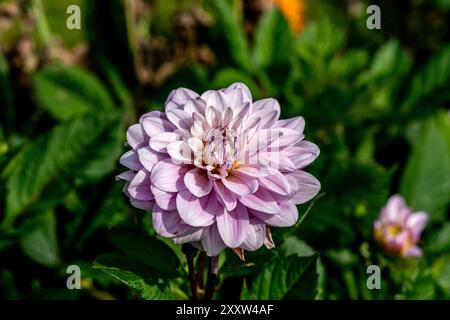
376 102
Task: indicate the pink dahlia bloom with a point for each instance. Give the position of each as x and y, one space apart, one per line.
398 229
218 169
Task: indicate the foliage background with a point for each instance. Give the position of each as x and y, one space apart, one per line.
375 101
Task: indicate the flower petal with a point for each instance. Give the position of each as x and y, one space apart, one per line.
195 211
130 160
148 158
304 186
225 196
180 118
160 142
168 223
232 226
168 176
136 136
276 182
256 234
216 99
180 152
195 106
154 126
262 200
416 223
197 182
240 183
287 216
179 97
139 187
165 200
211 241
297 124
302 154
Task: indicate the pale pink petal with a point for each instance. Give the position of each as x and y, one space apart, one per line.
168 223
127 175
154 126
393 208
276 182
297 124
416 223
287 216
197 106
262 200
130 160
180 152
302 154
160 142
193 236
165 200
239 183
136 136
148 158
180 118
198 182
143 205
168 176
211 241
216 99
139 187
226 197
213 116
240 87
233 226
256 234
197 212
179 97
303 185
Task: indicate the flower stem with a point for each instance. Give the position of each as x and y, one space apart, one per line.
192 276
212 275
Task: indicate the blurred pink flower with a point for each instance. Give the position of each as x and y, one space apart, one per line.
398 229
218 169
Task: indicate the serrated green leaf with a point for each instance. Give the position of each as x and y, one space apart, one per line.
279 276
41 244
426 180
66 92
149 251
68 151
134 275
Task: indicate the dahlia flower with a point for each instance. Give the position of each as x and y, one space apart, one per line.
218 170
398 229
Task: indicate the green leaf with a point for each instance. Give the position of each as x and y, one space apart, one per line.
273 40
70 150
234 33
41 244
390 62
134 275
426 180
441 272
429 87
148 251
225 77
439 242
66 92
279 276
